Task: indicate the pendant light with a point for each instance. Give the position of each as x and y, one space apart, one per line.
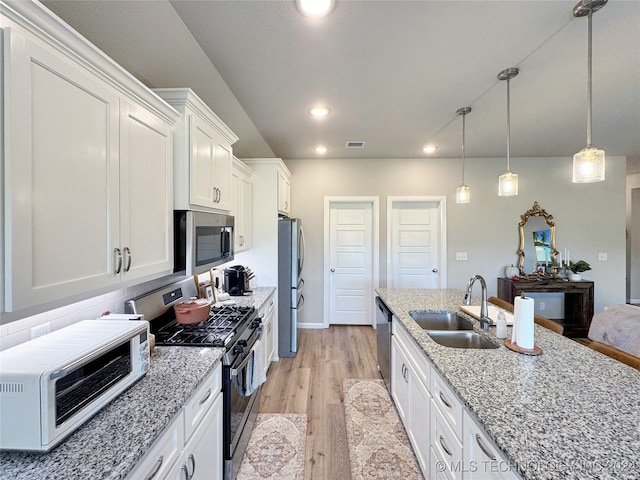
588 163
508 182
463 192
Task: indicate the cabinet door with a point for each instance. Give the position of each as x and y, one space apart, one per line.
222 175
269 333
203 157
400 381
61 175
146 194
419 425
203 453
284 193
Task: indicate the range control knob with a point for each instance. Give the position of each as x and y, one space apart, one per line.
238 348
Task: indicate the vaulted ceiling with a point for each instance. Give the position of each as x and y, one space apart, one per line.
393 73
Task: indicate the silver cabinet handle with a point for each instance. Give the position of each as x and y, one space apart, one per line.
484 448
185 472
192 460
444 447
127 254
444 400
206 397
156 469
117 259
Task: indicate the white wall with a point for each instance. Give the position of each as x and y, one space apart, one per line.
590 218
633 238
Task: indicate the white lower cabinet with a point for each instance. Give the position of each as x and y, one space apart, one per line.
411 395
483 459
446 444
446 439
165 452
267 313
190 448
202 454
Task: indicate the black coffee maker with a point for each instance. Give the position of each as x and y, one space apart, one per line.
236 280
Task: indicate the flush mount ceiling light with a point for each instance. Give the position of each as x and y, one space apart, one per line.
588 163
321 150
508 182
463 192
319 112
315 8
429 149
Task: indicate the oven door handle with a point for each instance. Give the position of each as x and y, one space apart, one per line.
235 371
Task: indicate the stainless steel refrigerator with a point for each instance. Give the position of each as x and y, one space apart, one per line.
290 283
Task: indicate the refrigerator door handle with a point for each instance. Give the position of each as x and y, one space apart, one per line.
301 247
300 303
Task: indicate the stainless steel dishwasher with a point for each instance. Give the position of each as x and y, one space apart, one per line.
383 329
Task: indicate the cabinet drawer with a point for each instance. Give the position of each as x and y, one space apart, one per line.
417 358
447 403
163 454
197 406
445 444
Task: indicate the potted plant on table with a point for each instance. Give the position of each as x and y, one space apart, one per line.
576 269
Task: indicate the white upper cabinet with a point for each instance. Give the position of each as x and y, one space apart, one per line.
203 154
275 180
284 191
87 166
241 195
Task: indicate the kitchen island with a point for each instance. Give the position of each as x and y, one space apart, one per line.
570 412
110 444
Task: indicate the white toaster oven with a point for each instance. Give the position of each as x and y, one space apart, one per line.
51 385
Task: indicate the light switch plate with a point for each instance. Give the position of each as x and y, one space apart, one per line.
602 256
461 255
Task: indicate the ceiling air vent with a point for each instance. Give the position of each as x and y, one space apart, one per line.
354 145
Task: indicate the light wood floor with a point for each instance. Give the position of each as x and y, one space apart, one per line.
311 383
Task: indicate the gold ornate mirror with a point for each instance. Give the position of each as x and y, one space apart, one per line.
537 253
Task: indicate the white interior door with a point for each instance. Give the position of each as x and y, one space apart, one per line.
415 244
351 263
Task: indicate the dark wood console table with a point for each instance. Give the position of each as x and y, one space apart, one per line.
578 300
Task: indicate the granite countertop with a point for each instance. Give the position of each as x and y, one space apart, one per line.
569 413
109 445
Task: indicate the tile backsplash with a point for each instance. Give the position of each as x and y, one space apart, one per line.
19 331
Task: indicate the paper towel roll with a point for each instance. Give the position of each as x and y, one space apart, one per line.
523 322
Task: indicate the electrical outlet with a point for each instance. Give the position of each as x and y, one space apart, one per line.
40 330
461 255
602 256
542 305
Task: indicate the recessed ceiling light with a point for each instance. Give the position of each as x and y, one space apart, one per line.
315 8
321 150
429 149
319 111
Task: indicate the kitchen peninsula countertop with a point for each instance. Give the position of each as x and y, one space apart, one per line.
570 413
109 445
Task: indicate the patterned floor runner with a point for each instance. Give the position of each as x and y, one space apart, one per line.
276 448
378 444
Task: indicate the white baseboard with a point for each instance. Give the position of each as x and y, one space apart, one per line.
634 300
311 325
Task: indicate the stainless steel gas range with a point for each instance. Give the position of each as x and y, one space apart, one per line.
232 327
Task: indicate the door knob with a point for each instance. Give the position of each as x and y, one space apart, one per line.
435 270
333 270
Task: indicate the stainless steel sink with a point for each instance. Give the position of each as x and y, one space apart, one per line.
441 320
461 339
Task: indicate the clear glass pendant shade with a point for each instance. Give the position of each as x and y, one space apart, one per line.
463 194
508 185
588 165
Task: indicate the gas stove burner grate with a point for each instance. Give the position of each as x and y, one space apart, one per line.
217 331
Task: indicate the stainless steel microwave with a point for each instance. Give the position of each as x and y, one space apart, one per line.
202 240
51 385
